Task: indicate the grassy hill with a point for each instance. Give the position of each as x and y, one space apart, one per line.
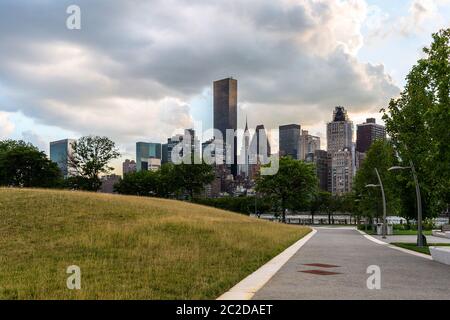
127 247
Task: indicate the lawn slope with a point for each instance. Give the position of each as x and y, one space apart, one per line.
127 247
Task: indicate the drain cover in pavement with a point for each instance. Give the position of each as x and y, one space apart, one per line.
321 265
321 272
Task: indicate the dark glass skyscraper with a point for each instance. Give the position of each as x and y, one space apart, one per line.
225 112
225 105
60 151
289 137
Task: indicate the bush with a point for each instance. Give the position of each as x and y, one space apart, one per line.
362 227
244 205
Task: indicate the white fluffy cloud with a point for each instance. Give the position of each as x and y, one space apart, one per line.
422 16
6 126
132 69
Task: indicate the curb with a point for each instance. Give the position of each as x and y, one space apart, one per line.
247 288
414 253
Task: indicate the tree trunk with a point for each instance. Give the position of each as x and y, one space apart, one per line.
283 214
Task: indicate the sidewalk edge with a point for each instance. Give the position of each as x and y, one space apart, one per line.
247 288
414 253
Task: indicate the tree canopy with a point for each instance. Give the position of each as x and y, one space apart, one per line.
418 122
169 181
90 157
292 187
23 165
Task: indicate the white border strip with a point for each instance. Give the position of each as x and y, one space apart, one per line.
247 288
414 253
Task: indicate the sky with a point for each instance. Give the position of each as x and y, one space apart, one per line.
143 70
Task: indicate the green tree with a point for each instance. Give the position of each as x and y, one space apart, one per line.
293 187
142 183
418 123
322 202
158 183
23 165
191 179
381 156
166 186
91 156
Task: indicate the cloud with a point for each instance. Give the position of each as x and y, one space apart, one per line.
6 126
132 69
424 16
35 139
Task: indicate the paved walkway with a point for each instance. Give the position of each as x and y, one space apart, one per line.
403 276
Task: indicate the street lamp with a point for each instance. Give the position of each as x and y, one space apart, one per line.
421 239
380 185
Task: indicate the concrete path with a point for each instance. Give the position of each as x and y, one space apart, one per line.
403 276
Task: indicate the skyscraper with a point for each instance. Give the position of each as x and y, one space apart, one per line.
308 144
60 151
367 133
289 140
342 172
320 159
340 155
339 131
146 153
225 105
225 112
128 166
168 148
260 150
190 142
245 156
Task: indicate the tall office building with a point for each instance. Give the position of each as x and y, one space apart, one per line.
367 133
340 155
190 142
320 159
168 147
289 140
341 172
225 113
128 166
339 131
308 144
260 149
147 155
60 151
245 153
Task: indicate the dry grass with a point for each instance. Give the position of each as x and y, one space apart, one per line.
127 247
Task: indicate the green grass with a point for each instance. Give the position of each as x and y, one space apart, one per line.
411 232
128 247
414 247
402 232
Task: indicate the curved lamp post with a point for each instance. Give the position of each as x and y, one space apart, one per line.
421 240
380 185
